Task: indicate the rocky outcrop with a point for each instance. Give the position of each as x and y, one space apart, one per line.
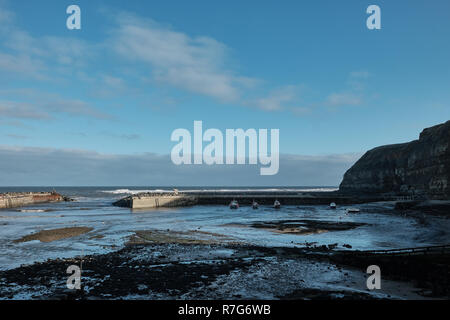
420 168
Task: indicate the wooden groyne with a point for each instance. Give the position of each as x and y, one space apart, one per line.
20 199
176 199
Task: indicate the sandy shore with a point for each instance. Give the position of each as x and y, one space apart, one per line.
198 265
304 226
55 234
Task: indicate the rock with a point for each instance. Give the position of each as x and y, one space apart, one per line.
439 207
418 169
332 246
405 205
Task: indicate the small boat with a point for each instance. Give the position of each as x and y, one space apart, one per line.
255 204
332 205
277 204
353 210
234 204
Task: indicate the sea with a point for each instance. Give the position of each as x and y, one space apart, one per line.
112 226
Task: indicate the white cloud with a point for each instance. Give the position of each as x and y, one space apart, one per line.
360 74
37 105
124 136
343 99
17 136
6 16
14 109
355 92
196 64
38 57
75 107
278 99
300 111
20 63
114 82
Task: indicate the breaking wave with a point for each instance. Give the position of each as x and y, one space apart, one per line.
312 189
128 191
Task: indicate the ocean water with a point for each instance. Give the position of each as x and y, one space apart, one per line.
112 226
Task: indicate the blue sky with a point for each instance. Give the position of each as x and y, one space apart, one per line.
137 70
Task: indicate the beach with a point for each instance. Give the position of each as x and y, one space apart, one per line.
206 252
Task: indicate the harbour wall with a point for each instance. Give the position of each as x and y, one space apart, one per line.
14 200
155 200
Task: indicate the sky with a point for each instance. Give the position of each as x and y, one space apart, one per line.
97 106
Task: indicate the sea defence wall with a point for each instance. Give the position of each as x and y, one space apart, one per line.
155 200
13 200
141 201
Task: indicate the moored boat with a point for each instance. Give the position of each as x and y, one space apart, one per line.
234 204
332 205
353 210
277 204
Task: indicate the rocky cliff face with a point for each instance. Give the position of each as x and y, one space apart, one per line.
420 167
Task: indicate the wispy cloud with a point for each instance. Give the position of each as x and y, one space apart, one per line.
196 64
17 136
74 107
38 105
360 74
124 136
21 64
38 57
278 99
21 110
353 94
343 99
6 16
14 124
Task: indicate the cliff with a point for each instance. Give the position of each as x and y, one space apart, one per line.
420 168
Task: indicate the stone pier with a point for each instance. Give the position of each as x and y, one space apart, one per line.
16 199
168 199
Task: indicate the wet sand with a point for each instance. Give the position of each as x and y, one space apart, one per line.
55 234
165 265
187 237
305 227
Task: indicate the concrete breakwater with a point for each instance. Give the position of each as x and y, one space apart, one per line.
20 199
175 199
141 201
